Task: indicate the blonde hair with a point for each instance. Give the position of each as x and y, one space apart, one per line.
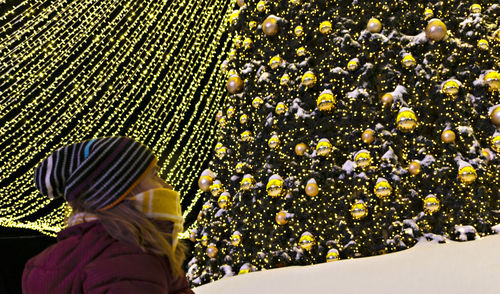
125 223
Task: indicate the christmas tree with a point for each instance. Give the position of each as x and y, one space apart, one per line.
352 129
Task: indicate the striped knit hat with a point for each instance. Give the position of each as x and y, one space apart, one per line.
100 172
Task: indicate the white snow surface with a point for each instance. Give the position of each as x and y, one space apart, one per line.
453 267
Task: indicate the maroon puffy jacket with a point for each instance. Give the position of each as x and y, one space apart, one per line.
86 259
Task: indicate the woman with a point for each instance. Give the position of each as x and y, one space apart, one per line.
122 232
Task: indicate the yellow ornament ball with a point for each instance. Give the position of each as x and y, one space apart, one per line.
204 240
467 174
495 142
312 188
325 27
451 87
326 101
234 84
406 120
246 136
352 65
274 142
275 186
233 18
222 121
428 13
431 204
324 147
236 238
247 183
359 210
495 115
212 250
488 154
257 102
216 188
247 43
307 241
492 79
368 136
309 79
284 80
374 25
223 200
240 3
483 44
448 136
362 158
237 41
230 111
243 119
221 152
261 6
252 24
300 149
414 168
270 26
301 51
475 8
204 183
382 189
332 255
281 218
281 108
436 30
409 61
298 31
239 167
387 99
275 62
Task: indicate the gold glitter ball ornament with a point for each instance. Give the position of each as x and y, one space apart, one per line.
222 121
312 188
281 108
451 87
495 115
368 136
257 102
230 111
204 182
387 99
281 218
307 241
483 44
406 120
236 238
274 142
247 43
374 25
223 200
239 167
352 65
431 204
252 24
204 240
435 30
488 154
301 51
221 152
496 35
309 79
467 174
325 101
212 250
383 188
270 26
275 186
284 80
492 79
414 168
448 136
243 119
216 188
475 8
359 210
298 31
261 6
233 18
234 84
325 27
332 255
409 61
495 142
246 136
247 183
324 147
362 158
300 149
232 55
275 62
240 3
428 13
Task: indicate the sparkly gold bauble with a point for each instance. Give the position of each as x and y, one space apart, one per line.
257 102
414 168
324 147
281 108
374 25
359 210
236 239
406 120
218 146
243 119
204 240
451 88
230 111
368 136
239 167
270 26
362 158
383 189
232 73
205 182
488 155
448 136
435 30
247 43
223 201
284 80
252 25
301 51
352 65
237 41
387 99
246 136
495 143
467 174
275 62
409 61
431 204
495 116
298 31
325 27
234 84
216 188
247 183
274 187
312 188
192 236
212 251
332 255
233 18
309 79
240 3
274 141
281 218
221 152
475 8
222 121
232 55
300 149
261 6
307 241
492 79
483 44
428 13
326 101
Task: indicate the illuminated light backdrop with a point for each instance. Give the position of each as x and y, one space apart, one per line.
74 70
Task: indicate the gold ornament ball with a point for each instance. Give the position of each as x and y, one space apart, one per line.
435 30
212 251
309 79
368 136
387 99
274 142
301 51
204 183
257 102
332 255
326 101
492 79
431 204
359 210
223 200
409 61
252 25
243 119
406 120
234 84
222 121
362 158
284 80
383 189
230 111
414 168
247 183
240 3
233 18
300 149
312 189
325 27
495 142
204 240
428 13
270 26
239 167
475 8
483 44
324 147
488 155
281 218
236 238
192 236
261 6
352 65
451 88
467 174
374 25
298 31
216 188
221 152
307 241
281 108
238 41
274 187
448 136
495 116
247 43
246 136
275 62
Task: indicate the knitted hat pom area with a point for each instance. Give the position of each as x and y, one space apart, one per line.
99 172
